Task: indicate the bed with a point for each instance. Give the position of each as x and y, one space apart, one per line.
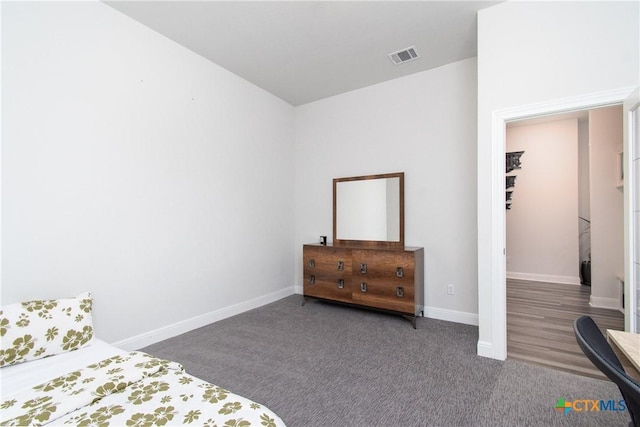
54 371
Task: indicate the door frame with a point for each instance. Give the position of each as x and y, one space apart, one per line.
631 203
499 119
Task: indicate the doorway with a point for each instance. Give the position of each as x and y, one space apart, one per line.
496 348
565 165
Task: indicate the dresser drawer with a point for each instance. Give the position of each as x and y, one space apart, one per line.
327 261
396 267
328 289
384 279
327 273
386 295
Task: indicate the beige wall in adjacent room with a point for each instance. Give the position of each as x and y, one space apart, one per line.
542 224
607 203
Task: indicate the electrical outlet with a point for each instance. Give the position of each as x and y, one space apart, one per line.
450 290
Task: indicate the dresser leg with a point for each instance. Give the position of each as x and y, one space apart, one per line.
411 319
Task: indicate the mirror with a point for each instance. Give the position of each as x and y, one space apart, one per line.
369 210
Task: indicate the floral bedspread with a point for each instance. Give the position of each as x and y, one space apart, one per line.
132 390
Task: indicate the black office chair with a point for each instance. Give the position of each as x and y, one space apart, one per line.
595 346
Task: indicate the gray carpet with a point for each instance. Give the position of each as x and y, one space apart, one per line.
328 365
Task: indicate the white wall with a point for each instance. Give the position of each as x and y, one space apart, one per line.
423 125
607 206
542 224
534 52
138 170
123 154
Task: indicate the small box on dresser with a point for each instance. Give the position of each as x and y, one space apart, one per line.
388 279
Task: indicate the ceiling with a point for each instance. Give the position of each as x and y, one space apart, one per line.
303 51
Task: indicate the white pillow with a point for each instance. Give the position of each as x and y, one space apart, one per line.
35 329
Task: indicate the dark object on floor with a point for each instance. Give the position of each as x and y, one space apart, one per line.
585 273
597 349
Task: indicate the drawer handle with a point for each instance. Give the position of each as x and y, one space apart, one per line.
340 283
399 292
312 263
363 268
340 265
312 280
363 287
399 272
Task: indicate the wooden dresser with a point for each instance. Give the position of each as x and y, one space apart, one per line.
382 278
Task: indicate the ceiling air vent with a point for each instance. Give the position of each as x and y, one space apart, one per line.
404 55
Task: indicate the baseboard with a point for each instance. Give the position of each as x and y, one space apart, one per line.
157 335
451 315
438 313
485 349
549 278
601 302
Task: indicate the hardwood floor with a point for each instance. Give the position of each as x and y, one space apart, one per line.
540 324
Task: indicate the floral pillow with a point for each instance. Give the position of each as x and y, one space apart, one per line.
36 329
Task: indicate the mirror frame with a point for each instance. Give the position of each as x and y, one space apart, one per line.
370 243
